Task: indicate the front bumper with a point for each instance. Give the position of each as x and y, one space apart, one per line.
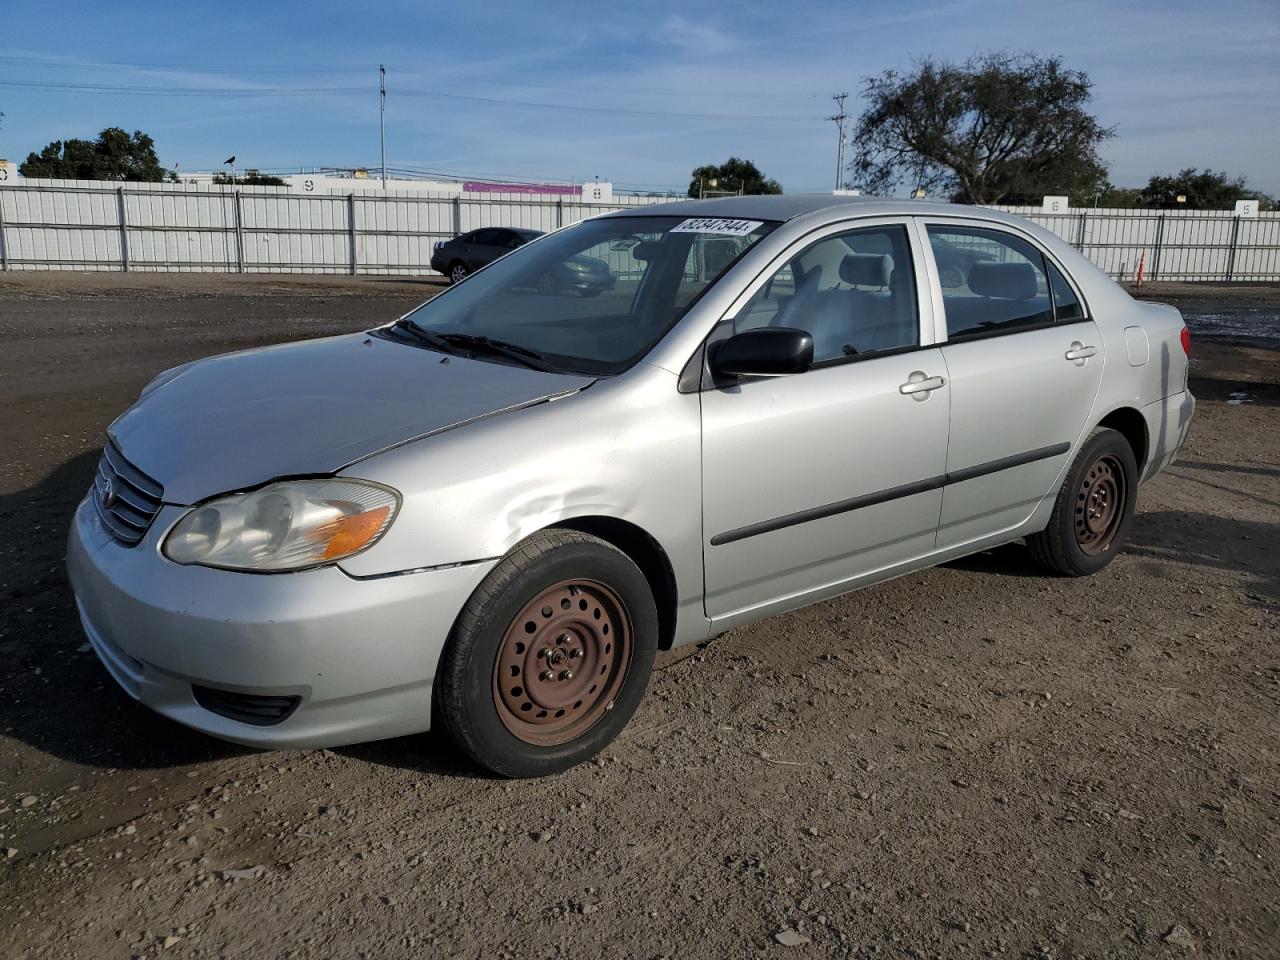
360 655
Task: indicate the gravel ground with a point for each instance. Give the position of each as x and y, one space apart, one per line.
974 760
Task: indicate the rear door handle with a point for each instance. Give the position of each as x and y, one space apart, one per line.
1080 352
920 384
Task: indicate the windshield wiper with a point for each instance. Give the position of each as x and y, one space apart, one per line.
406 328
512 351
468 344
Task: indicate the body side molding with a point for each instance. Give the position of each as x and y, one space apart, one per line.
893 493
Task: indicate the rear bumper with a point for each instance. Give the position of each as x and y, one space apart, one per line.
359 655
1168 422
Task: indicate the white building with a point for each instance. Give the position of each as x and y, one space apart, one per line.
365 182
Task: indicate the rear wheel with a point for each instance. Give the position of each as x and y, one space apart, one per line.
458 271
1094 511
550 657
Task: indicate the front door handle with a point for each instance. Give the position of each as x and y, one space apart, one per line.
1080 353
919 385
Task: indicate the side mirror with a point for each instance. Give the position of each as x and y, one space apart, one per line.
764 352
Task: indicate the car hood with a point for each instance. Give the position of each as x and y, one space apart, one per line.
236 421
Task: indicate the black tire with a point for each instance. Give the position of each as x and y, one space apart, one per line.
1079 539
589 294
467 687
458 271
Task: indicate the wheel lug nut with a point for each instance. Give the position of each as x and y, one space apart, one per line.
566 674
542 652
547 675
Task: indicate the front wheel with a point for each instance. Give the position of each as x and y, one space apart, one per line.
550 657
1094 511
458 272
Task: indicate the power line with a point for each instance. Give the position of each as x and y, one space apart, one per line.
72 62
230 92
234 92
65 62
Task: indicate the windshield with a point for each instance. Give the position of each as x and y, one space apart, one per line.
595 297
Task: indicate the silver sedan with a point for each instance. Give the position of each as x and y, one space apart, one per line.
492 512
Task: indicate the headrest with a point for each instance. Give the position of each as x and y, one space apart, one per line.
1008 281
866 269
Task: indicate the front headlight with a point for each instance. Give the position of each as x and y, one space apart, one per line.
288 525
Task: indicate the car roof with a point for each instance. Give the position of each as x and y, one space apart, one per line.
819 206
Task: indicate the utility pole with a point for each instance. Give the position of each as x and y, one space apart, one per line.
840 118
382 119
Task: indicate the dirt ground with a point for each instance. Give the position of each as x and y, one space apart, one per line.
975 760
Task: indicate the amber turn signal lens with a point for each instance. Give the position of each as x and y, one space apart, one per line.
352 533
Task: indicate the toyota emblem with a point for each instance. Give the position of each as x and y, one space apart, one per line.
108 495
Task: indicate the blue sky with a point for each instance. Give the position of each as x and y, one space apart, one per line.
640 93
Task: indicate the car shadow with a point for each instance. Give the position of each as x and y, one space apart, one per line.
1009 560
1249 547
425 753
57 698
54 694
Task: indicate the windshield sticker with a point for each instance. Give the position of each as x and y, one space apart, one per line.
720 225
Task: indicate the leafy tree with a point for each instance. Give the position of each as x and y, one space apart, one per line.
995 128
1111 196
252 178
729 176
1204 189
115 155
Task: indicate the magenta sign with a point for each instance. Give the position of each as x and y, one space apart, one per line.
544 188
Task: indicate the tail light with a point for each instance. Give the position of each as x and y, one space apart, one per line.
1186 341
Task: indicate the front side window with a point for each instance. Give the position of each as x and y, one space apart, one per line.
992 282
854 293
597 296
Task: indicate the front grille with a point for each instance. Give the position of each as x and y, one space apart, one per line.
126 498
246 707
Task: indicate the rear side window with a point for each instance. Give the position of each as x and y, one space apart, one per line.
1066 305
992 282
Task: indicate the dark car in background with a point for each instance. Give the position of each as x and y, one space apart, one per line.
468 252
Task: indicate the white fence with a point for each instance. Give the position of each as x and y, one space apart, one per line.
87 225
1173 244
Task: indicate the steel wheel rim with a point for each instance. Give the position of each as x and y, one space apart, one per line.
562 662
1100 505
